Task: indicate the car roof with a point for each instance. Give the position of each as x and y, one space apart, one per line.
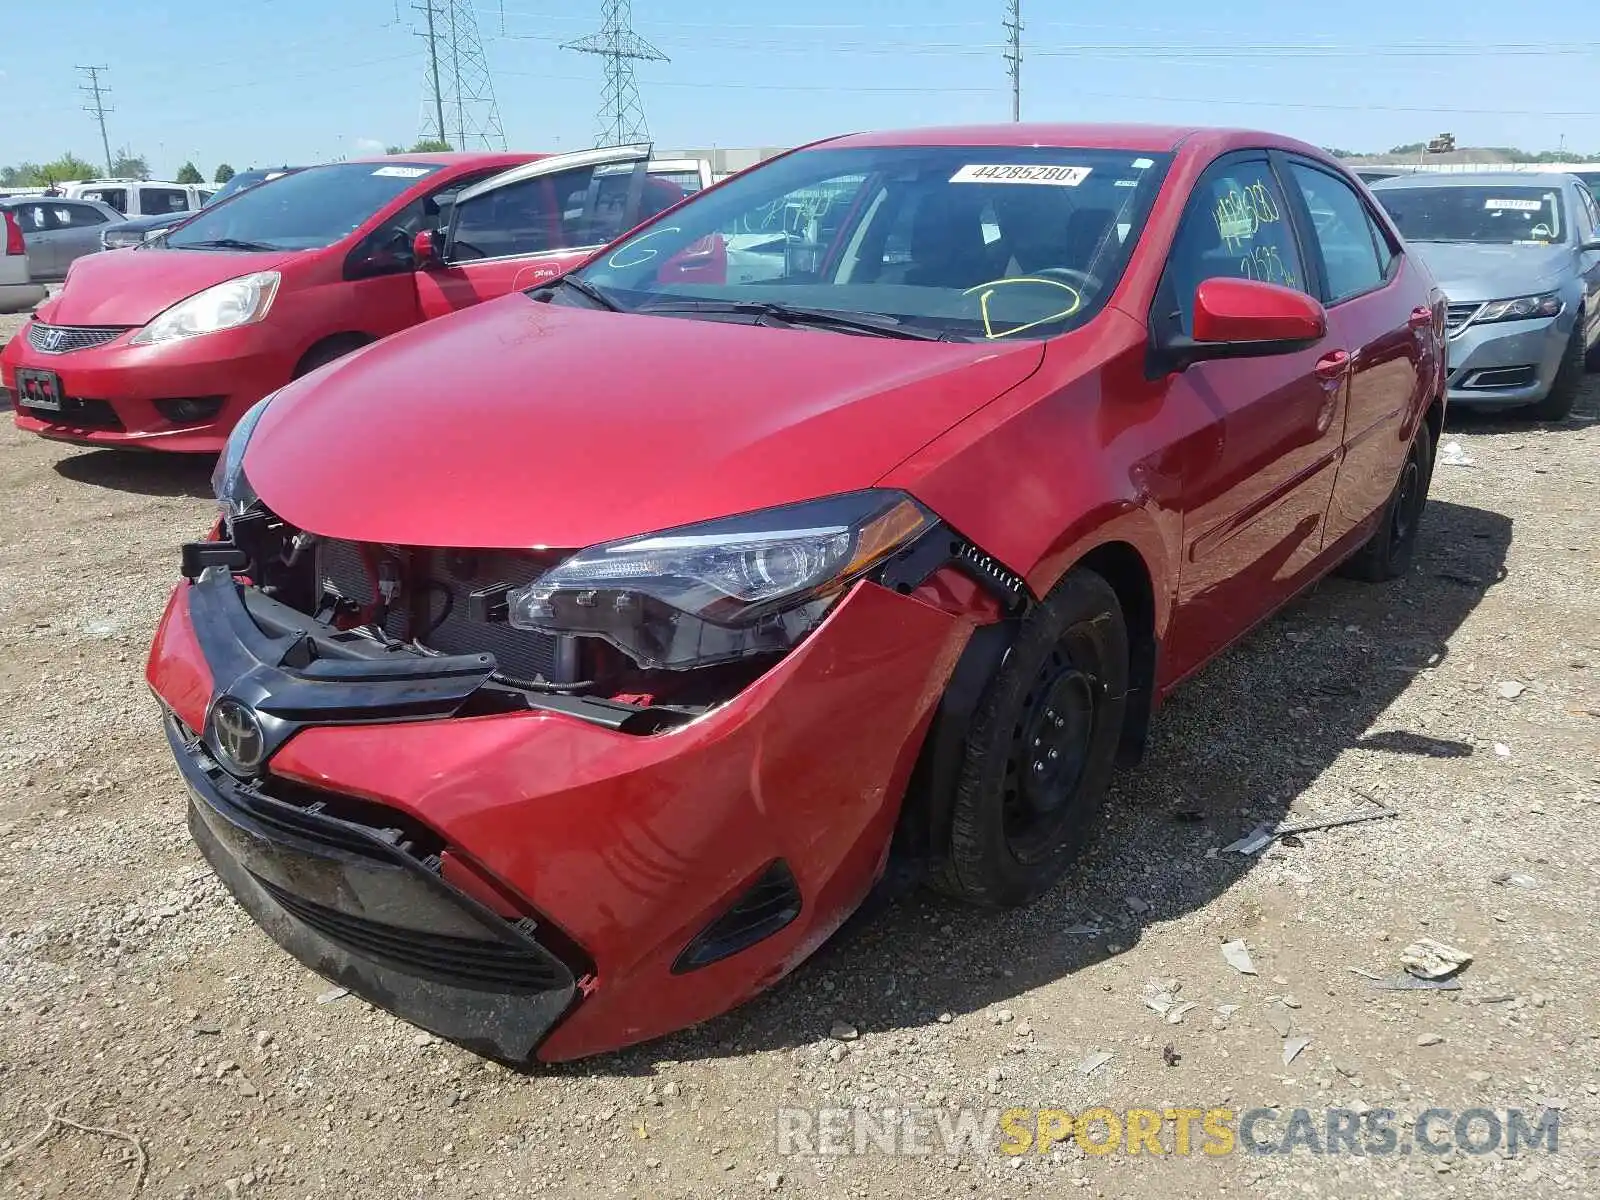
1473 179
455 158
1151 139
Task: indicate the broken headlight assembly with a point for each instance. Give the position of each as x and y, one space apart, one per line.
228 480
724 590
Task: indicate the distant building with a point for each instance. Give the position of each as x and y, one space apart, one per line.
725 160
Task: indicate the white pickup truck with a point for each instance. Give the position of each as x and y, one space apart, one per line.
141 197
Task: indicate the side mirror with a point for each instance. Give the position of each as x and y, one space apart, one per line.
427 251
386 252
1245 318
1591 244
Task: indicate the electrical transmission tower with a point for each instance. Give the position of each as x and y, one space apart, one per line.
621 111
98 107
458 95
1013 26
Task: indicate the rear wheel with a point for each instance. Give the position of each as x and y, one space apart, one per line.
1040 751
1569 378
1388 552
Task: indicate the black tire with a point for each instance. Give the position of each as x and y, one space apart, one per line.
1388 552
322 355
1040 751
1563 393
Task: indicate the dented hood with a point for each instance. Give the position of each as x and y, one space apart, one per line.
129 287
527 424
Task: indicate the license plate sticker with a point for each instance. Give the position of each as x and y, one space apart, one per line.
39 389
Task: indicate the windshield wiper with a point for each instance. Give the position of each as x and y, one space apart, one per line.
587 290
869 324
225 244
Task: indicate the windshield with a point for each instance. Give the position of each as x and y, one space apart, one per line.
238 183
1476 213
969 241
303 211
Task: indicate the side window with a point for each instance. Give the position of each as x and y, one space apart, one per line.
117 198
1350 263
77 216
1236 226
153 201
36 218
1586 198
586 206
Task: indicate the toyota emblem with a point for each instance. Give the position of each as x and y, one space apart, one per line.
236 734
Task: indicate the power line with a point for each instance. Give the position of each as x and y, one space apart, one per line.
462 104
621 111
98 107
1013 26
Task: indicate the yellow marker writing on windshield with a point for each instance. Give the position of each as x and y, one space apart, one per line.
994 285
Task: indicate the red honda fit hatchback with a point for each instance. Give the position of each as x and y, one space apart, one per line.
561 672
164 347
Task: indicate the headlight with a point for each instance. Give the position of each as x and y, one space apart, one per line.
724 590
234 493
1523 308
241 301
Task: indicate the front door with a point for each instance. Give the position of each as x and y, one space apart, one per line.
1256 484
526 226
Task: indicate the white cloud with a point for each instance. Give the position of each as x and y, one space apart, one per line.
369 146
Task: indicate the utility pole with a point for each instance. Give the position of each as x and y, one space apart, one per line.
466 109
98 107
621 111
1013 26
427 9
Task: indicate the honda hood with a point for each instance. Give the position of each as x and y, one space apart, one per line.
129 287
526 424
1467 272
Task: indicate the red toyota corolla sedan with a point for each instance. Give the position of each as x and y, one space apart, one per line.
565 671
165 347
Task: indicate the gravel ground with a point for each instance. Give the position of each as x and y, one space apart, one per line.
137 995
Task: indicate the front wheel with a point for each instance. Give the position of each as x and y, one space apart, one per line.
1388 553
1563 393
1040 751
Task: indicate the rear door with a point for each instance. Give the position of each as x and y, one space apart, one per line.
78 231
1379 308
1256 485
40 234
528 225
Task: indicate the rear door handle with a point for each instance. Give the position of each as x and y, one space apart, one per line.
1333 367
1420 318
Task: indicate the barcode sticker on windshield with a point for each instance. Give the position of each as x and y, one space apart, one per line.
401 172
1021 173
1515 205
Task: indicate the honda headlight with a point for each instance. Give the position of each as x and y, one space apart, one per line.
1523 308
241 301
228 480
724 590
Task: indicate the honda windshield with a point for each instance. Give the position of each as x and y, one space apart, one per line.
302 211
977 242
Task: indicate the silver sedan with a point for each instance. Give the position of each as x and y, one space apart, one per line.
58 231
1518 256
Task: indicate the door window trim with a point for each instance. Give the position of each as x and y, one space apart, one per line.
1297 201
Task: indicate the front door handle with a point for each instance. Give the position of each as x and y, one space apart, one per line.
1421 318
1333 367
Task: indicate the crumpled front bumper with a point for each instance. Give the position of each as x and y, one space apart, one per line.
608 852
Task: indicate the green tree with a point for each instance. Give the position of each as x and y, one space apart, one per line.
189 173
431 146
128 165
224 173
394 149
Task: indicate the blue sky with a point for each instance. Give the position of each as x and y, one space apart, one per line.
264 81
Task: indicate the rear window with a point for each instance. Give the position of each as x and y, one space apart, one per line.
303 211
